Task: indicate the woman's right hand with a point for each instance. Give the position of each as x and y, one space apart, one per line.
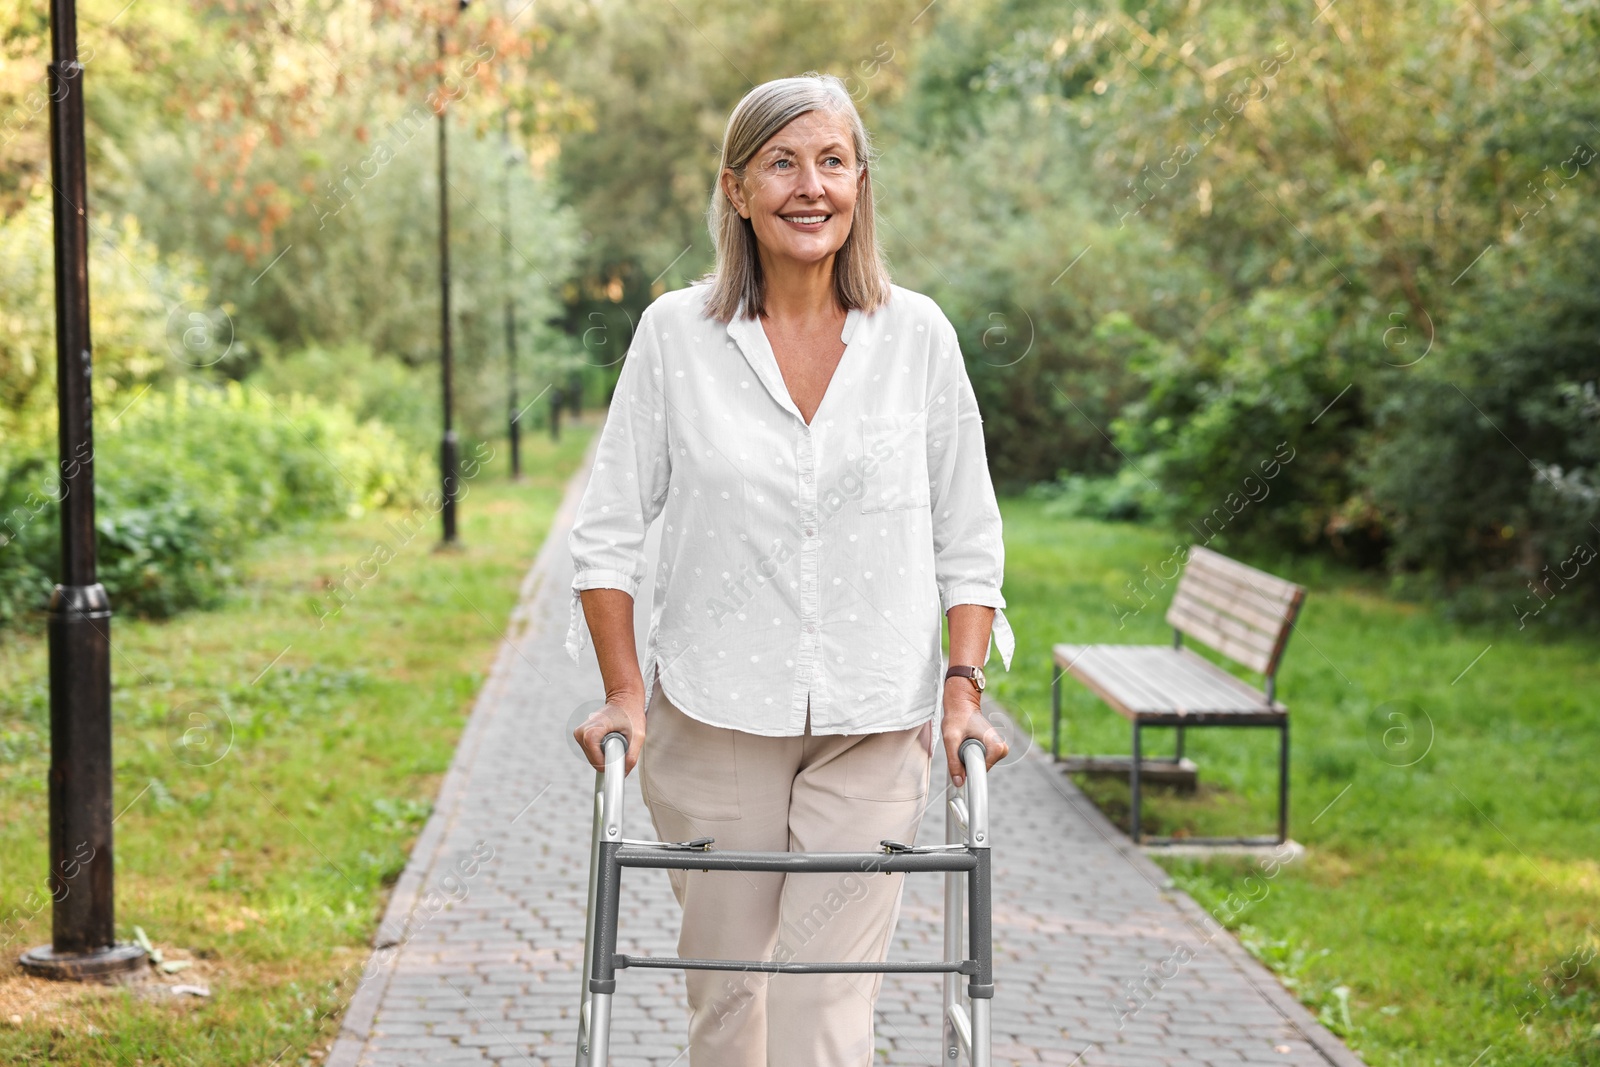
623 714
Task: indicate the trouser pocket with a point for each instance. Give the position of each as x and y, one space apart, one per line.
693 766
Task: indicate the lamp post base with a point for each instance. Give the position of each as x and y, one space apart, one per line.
43 961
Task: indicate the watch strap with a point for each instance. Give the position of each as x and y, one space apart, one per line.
961 671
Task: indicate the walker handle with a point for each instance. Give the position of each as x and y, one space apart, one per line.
608 784
973 759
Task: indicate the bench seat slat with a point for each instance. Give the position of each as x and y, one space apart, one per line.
1156 682
1137 689
1219 686
1211 688
1087 663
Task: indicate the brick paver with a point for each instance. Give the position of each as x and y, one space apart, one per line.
477 959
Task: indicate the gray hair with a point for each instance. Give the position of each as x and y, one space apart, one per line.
860 274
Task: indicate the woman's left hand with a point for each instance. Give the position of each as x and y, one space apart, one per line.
962 720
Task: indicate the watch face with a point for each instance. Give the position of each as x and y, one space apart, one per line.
977 676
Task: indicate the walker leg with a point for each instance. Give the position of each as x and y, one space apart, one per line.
605 892
980 987
585 1006
603 981
600 1037
980 984
981 1040
953 886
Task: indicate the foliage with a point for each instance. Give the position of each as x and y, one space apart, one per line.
1450 881
1125 496
133 287
656 84
1362 233
1492 459
185 480
280 775
294 155
402 397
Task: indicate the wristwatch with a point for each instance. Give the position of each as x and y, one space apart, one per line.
974 673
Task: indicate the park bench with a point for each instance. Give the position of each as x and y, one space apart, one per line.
1241 612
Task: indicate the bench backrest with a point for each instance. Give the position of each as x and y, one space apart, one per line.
1242 612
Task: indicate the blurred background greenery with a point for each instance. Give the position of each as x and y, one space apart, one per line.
1173 236
1310 282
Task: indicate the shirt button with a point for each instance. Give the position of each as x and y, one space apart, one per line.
811 531
806 478
811 628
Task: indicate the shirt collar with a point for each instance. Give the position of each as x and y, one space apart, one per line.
752 341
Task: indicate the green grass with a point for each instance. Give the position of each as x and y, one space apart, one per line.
260 839
1437 902
1449 905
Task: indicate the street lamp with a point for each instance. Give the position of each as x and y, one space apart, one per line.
83 927
515 425
449 464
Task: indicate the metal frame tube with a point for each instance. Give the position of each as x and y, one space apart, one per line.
1283 781
957 1027
600 1035
967 1026
600 924
585 1021
1055 712
657 858
980 985
1133 786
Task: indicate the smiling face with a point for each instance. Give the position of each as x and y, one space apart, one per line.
800 188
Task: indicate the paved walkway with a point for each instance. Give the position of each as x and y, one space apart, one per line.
477 959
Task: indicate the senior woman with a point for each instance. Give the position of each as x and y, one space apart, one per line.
807 432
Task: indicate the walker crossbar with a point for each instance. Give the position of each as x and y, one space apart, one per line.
773 966
811 862
966 852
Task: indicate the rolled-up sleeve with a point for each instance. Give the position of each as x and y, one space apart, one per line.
627 486
969 554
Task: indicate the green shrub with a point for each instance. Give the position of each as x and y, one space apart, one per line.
1121 497
184 481
403 397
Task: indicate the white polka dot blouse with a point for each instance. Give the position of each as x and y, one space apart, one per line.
797 562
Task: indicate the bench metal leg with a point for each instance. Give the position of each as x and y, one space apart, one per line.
1283 781
1133 786
1055 713
1179 757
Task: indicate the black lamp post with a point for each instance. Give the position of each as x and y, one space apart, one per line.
83 928
449 462
515 425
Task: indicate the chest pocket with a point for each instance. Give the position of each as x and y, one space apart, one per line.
895 462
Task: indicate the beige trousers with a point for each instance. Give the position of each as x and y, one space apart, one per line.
841 793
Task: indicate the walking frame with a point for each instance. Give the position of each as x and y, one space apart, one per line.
966 851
